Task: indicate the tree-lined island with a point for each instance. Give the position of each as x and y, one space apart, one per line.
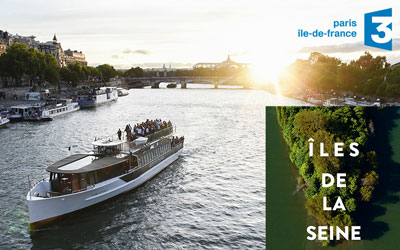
331 125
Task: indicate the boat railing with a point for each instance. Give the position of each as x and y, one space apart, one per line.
151 137
69 191
160 133
31 185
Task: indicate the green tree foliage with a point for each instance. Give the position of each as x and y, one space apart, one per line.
51 73
69 76
314 206
330 125
368 184
368 75
19 61
106 72
134 72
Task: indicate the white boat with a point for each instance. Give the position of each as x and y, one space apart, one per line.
23 111
3 119
122 92
83 180
95 97
54 108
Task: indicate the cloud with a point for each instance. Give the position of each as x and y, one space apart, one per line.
346 47
138 51
116 57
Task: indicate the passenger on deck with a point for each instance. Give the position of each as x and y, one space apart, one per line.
147 128
127 131
119 134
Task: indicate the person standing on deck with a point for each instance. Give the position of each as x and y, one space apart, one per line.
127 131
119 134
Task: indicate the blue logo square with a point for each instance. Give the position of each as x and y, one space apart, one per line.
378 29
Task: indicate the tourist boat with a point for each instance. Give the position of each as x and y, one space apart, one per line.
95 97
122 92
52 109
23 111
3 119
116 166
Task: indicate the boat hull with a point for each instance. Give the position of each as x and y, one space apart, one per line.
94 101
4 122
51 117
43 211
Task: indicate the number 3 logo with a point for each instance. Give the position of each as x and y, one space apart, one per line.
378 29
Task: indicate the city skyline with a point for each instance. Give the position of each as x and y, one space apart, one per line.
149 34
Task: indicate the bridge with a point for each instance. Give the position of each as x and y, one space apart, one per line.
154 81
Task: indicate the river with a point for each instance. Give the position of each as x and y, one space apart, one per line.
287 217
213 197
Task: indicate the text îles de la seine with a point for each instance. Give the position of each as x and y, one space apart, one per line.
325 232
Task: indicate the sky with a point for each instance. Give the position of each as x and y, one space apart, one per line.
184 32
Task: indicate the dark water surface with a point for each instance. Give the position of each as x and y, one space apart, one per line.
287 217
213 197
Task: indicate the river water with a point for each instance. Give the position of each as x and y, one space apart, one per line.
213 197
287 217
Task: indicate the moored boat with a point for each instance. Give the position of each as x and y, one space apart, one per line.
3 119
23 111
52 109
95 97
114 167
122 92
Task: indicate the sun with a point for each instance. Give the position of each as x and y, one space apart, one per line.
267 66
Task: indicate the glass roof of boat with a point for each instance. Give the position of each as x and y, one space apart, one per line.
78 164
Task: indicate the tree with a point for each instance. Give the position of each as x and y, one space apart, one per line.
314 206
52 71
308 122
76 68
381 89
393 76
134 72
107 72
393 91
14 61
69 76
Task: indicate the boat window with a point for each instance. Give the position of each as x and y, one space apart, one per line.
90 179
75 182
134 161
110 172
83 181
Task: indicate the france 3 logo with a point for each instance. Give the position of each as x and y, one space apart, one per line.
378 29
